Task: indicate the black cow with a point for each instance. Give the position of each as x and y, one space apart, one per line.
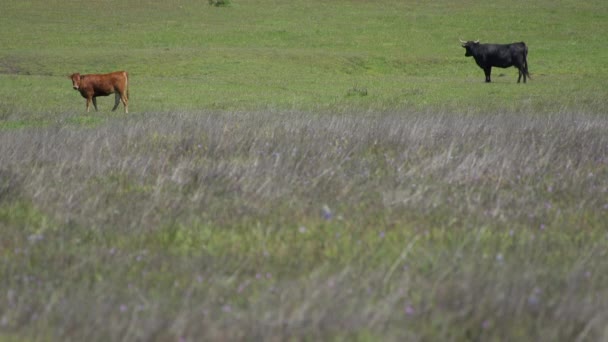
498 55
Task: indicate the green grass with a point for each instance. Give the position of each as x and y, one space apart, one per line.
303 170
302 54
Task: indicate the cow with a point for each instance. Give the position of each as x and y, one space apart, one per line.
93 85
499 55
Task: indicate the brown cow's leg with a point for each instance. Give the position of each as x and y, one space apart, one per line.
88 104
125 101
95 103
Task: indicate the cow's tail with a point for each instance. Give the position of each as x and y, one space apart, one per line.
526 72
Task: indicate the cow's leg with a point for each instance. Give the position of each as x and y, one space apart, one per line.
488 71
121 96
88 104
520 73
95 103
116 100
125 101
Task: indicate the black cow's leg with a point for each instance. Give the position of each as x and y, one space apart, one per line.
488 71
519 77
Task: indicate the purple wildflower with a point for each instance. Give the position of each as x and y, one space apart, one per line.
243 286
409 310
533 300
326 213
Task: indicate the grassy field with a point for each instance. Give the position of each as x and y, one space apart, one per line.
303 170
311 55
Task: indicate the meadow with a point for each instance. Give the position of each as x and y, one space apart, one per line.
303 170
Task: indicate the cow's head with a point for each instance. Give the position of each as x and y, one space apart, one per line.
469 46
75 80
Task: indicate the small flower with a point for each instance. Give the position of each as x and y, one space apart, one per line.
226 308
542 226
123 308
381 235
499 257
243 286
485 324
326 213
409 310
35 238
533 300
302 229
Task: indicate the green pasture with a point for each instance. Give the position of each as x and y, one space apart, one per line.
187 55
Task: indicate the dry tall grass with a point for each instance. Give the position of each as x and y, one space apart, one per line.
268 225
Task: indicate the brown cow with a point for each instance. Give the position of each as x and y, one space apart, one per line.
93 85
